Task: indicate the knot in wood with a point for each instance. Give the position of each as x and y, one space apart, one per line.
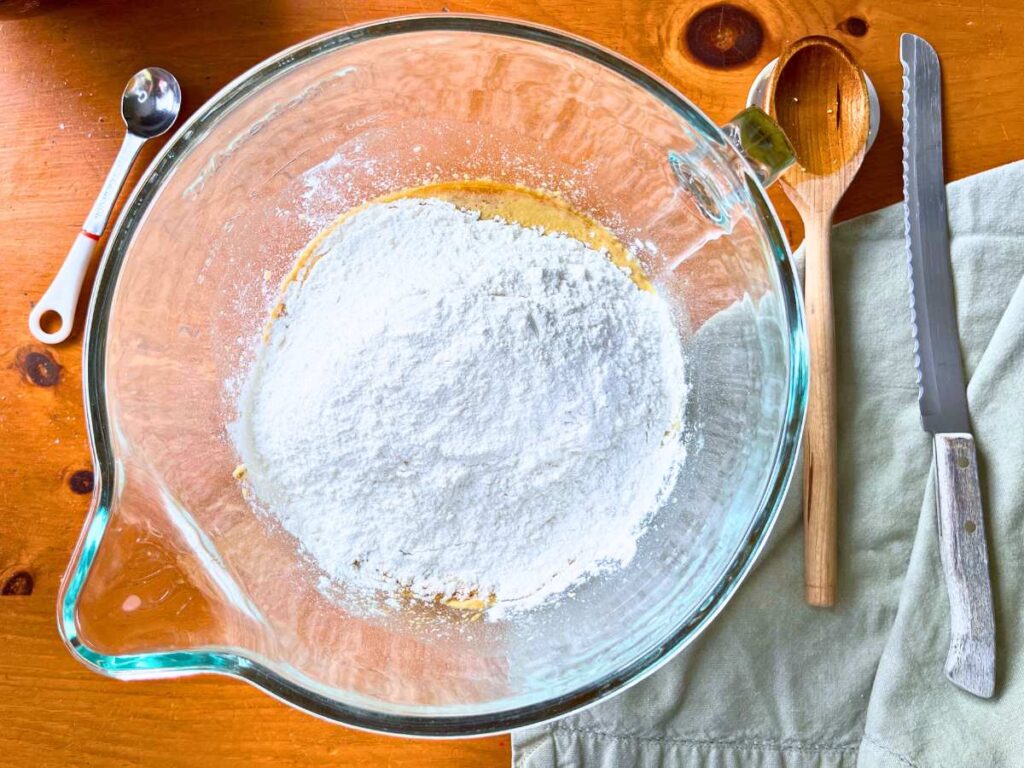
724 36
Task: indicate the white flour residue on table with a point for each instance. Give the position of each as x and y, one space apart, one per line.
456 406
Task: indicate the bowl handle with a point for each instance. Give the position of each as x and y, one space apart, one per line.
761 142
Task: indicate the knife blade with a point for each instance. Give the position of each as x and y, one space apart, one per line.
942 393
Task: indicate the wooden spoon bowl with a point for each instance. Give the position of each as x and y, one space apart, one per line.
819 97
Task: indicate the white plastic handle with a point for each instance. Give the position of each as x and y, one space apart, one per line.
61 297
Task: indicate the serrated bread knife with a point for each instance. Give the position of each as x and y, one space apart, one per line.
970 663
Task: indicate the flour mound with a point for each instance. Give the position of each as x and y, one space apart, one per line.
456 405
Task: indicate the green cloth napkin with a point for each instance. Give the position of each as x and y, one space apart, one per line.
773 682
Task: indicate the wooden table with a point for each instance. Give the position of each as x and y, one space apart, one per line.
62 67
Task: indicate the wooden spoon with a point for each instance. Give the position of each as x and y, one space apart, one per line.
819 97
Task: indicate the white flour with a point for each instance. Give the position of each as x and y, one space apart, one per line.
458 405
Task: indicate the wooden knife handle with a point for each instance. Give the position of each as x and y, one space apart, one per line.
971 662
820 555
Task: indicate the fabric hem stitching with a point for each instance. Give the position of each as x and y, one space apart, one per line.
782 745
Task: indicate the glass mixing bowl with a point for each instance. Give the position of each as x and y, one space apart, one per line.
175 574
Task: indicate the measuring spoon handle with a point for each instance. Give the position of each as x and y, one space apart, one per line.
58 304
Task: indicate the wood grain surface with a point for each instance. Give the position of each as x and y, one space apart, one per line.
62 67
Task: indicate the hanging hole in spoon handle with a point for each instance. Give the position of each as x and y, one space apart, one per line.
53 317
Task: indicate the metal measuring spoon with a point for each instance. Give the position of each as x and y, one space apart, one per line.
149 107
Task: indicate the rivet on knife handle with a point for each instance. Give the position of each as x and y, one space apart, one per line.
971 662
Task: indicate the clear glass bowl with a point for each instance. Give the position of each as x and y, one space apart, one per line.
175 574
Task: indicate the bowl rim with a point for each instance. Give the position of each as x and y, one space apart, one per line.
240 663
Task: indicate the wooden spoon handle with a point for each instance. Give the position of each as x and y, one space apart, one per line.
820 434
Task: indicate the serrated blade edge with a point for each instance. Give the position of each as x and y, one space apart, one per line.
906 219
